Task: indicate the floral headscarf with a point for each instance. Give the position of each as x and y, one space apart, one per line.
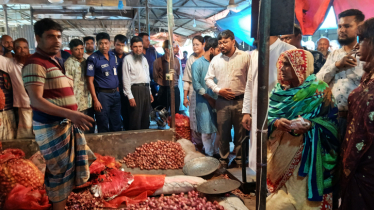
301 62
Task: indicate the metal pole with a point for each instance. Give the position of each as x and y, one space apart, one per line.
139 10
31 16
5 7
170 28
263 101
147 17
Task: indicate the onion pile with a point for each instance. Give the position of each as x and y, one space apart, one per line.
192 201
83 201
19 171
156 155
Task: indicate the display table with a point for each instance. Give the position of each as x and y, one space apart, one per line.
116 144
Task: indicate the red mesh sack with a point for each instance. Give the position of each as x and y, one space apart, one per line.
22 197
111 183
15 169
182 126
142 187
103 162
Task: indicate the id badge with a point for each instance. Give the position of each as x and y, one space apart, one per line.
115 70
107 74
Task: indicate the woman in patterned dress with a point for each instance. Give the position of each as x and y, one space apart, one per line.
357 182
301 160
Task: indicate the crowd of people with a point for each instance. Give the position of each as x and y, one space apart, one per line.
320 116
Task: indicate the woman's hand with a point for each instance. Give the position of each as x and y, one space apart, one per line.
283 124
304 129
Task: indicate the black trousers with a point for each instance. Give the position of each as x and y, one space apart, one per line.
90 112
164 97
139 115
125 111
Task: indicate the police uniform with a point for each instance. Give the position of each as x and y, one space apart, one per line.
106 83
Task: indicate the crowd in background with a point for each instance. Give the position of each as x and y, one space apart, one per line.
320 114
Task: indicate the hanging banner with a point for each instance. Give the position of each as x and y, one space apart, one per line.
312 13
366 6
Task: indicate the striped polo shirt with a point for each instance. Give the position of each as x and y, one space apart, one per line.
42 69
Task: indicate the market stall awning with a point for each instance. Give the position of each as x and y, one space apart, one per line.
311 13
239 23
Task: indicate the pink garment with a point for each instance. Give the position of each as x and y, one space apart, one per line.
14 69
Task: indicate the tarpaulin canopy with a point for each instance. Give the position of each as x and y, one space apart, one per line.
366 6
312 13
239 23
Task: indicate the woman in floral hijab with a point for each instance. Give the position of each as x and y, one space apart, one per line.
301 160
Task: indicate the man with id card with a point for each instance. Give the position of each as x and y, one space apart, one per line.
103 84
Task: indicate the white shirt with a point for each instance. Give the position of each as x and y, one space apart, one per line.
230 72
343 81
187 76
85 55
14 69
134 72
251 90
276 49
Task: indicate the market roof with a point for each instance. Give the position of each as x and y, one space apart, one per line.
88 17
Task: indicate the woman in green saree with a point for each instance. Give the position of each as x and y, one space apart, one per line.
302 159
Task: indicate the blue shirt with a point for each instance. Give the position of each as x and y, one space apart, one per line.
104 71
119 69
151 55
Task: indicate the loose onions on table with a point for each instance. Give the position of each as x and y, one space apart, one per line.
156 155
192 201
83 201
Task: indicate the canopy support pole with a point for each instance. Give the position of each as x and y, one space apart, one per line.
172 70
262 102
147 17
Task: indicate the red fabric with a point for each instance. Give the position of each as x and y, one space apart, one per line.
366 6
142 187
311 14
22 197
103 162
11 154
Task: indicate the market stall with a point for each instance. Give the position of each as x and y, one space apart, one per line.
149 174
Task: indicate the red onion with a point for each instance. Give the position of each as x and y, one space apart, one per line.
192 201
83 201
156 155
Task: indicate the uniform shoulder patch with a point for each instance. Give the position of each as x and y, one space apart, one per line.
90 67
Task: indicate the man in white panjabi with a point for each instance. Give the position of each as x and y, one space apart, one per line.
277 47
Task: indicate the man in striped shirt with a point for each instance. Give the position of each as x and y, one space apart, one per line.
56 121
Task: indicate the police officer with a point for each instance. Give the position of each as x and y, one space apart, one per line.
103 83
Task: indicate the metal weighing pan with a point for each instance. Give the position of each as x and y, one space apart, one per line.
218 186
201 166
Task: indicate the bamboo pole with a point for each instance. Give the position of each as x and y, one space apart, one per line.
171 71
263 101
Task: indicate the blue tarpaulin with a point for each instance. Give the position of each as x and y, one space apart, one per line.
239 23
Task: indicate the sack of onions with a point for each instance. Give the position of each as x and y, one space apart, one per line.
182 127
156 155
15 169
